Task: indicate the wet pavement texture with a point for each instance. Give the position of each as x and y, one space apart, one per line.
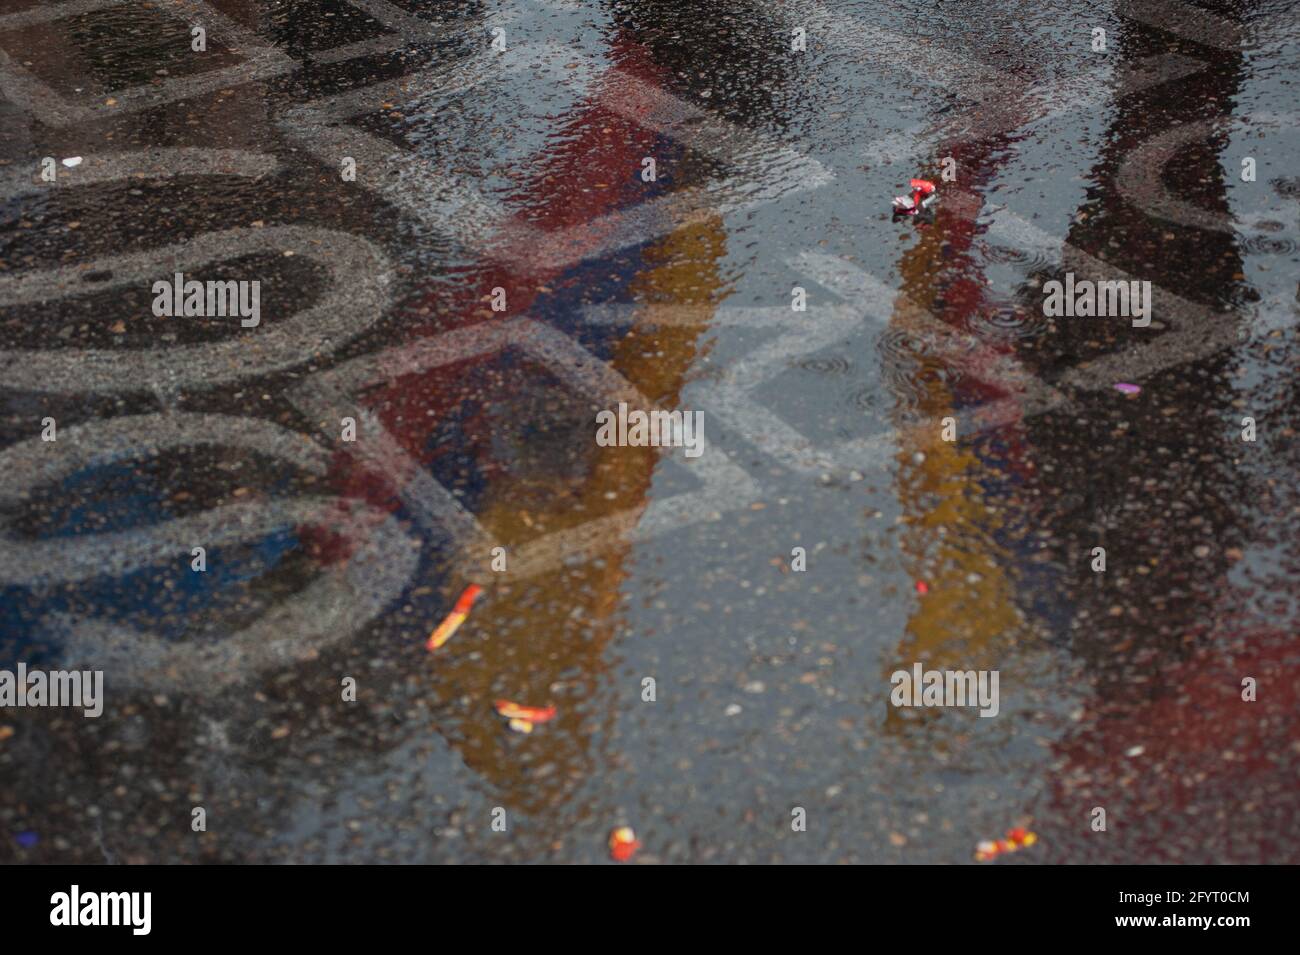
500 154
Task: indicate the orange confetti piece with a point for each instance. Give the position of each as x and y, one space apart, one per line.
451 623
1022 838
1016 839
623 844
532 714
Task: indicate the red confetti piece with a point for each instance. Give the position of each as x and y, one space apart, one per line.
451 623
623 844
922 587
1022 837
532 714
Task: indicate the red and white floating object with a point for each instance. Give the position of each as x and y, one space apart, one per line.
623 844
524 718
1016 840
923 196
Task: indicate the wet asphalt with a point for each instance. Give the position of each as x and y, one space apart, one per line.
716 633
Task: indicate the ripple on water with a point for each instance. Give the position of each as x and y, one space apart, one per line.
999 324
1288 188
913 372
1269 245
1031 260
866 399
829 365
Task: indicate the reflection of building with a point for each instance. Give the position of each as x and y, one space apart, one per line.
956 538
520 452
1166 731
1125 506
1185 768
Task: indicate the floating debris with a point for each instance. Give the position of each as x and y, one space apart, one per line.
524 718
72 162
922 587
1127 388
623 844
27 839
923 196
1016 840
454 619
533 714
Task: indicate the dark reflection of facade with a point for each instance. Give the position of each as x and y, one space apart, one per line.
1002 526
1152 480
1125 485
739 55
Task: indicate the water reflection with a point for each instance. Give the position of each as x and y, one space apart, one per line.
999 526
521 455
1156 481
964 526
